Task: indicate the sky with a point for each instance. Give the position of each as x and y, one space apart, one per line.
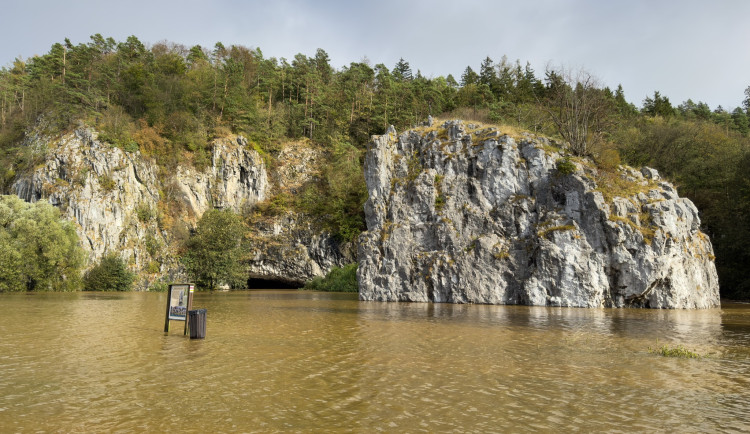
681 48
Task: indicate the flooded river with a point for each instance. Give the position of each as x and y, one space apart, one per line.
302 361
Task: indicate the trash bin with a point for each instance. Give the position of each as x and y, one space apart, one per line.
197 323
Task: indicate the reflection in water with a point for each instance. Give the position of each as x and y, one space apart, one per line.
288 360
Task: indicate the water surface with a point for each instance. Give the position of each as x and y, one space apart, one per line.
305 361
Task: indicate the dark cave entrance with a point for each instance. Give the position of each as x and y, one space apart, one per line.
273 283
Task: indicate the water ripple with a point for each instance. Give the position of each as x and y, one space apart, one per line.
301 362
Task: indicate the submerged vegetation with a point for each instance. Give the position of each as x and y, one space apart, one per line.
169 101
679 351
337 280
111 274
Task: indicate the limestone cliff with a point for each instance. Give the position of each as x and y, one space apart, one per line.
288 246
124 203
465 214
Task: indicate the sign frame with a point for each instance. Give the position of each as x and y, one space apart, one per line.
179 299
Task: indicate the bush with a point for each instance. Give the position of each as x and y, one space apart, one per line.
107 183
337 280
213 254
158 286
38 250
144 212
565 166
110 274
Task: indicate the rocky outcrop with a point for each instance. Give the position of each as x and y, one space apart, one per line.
291 249
464 214
125 204
236 179
111 195
288 246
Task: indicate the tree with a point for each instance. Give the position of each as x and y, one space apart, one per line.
469 77
658 106
451 81
577 108
402 71
213 254
110 274
38 250
741 124
487 72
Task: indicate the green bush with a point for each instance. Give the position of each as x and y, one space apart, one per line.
158 286
38 250
107 183
565 166
110 274
144 212
337 280
213 254
130 146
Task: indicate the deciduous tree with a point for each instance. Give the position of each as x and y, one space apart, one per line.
213 254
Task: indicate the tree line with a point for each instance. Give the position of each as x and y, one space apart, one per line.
168 101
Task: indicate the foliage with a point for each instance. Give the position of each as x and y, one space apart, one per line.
578 108
565 166
144 212
159 285
168 101
678 351
213 253
110 274
337 280
38 250
340 194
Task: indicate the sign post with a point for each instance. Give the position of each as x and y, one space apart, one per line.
179 302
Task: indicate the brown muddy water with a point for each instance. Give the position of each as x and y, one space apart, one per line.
314 362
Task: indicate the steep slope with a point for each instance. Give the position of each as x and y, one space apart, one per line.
124 203
461 213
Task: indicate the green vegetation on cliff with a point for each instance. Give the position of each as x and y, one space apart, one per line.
168 101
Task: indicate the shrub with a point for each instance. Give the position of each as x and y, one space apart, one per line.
38 250
130 146
565 166
110 274
337 280
107 183
144 212
158 286
213 254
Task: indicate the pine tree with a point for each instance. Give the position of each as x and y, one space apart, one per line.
469 77
402 71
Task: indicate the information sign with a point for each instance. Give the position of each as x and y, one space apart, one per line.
179 301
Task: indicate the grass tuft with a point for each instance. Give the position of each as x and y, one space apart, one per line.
678 351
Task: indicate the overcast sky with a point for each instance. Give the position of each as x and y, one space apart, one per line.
682 48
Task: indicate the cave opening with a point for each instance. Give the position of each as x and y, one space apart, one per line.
266 283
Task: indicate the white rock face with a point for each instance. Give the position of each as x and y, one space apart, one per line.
460 214
237 178
101 189
114 197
